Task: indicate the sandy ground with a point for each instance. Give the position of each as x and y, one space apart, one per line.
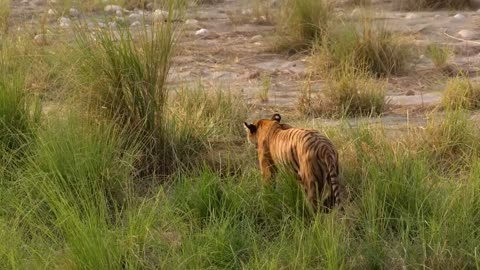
234 54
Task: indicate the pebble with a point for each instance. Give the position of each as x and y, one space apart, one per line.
51 12
467 34
112 8
74 12
40 39
202 32
411 16
64 22
134 17
135 24
160 15
459 16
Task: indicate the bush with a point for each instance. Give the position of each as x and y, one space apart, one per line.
129 73
302 23
461 93
438 54
347 93
371 48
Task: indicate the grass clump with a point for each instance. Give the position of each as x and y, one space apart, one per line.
346 93
452 142
439 55
433 4
302 23
461 93
371 47
129 73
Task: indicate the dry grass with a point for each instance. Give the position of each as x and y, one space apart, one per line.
302 23
440 55
4 14
461 93
370 47
346 93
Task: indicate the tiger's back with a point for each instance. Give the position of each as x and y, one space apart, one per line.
308 154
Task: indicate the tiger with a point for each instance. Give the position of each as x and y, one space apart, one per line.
309 155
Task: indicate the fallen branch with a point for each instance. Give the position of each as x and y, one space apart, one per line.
461 39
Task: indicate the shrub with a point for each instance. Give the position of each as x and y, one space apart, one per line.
461 93
129 73
348 93
302 23
452 142
372 48
439 55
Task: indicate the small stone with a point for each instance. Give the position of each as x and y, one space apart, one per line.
411 16
40 39
253 75
202 32
160 15
467 34
112 8
134 17
74 12
101 25
247 12
39 2
119 13
437 16
459 16
51 12
410 93
256 38
136 24
64 22
191 22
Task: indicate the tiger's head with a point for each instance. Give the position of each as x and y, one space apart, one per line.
254 128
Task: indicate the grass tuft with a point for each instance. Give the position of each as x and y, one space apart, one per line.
346 93
439 55
461 93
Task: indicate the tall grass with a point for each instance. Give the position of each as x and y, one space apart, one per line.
461 93
346 93
301 23
129 71
369 46
4 14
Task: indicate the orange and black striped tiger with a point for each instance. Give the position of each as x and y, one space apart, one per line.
308 154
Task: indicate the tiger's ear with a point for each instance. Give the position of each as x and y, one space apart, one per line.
250 127
276 117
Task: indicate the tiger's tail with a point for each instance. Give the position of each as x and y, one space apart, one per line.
336 192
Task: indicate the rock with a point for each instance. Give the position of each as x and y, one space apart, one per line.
437 16
136 24
256 38
112 8
74 12
135 17
40 39
274 3
411 16
119 13
410 93
51 12
64 22
247 12
467 34
253 75
459 16
112 25
160 15
191 22
202 32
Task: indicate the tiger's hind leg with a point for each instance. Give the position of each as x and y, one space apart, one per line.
312 189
